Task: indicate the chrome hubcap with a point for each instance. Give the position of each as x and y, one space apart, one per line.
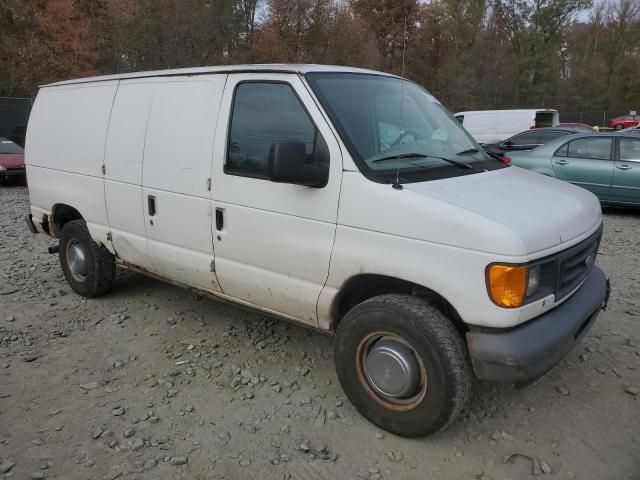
392 369
77 259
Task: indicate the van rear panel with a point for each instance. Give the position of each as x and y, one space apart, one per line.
68 127
65 151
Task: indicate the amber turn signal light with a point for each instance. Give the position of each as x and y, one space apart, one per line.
507 284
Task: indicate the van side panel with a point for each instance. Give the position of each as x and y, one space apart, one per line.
123 177
180 134
65 151
511 122
49 187
177 166
481 125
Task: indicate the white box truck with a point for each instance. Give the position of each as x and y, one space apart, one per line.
490 126
343 199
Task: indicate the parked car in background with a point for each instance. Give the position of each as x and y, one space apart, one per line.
606 164
488 126
624 121
583 127
528 140
11 160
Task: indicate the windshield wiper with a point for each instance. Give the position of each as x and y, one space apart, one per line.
401 155
466 166
468 151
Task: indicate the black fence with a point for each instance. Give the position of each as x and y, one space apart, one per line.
601 118
14 115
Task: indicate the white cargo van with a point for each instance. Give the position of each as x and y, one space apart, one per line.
344 199
489 126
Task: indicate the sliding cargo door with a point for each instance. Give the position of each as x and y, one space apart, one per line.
176 172
123 170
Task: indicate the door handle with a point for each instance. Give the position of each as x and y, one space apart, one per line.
623 167
561 162
219 219
151 205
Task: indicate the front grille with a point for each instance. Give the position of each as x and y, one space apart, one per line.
575 264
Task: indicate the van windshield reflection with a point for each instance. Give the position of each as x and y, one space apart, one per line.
384 118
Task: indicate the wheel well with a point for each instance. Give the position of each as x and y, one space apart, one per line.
60 215
363 287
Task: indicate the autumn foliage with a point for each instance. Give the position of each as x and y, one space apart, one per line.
470 53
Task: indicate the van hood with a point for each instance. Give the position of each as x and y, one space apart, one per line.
543 211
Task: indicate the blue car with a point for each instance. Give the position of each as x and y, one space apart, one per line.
606 164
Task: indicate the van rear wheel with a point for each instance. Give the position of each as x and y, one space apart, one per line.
88 267
402 364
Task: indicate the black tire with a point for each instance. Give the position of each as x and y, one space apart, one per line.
100 264
440 352
619 126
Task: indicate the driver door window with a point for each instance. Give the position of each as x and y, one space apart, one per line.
264 114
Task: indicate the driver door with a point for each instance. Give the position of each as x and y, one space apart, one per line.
272 240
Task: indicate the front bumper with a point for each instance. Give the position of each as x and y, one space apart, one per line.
525 353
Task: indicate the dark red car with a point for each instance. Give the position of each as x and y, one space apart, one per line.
11 160
624 121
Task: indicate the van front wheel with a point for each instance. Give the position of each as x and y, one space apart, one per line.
402 364
88 267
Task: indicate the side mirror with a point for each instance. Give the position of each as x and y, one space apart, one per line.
287 163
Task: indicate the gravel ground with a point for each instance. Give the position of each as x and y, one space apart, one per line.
152 381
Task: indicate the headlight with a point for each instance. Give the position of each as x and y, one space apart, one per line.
534 280
2 169
507 284
512 286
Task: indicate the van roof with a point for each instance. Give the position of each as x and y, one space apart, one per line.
508 110
276 68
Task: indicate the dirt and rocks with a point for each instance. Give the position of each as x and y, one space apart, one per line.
154 382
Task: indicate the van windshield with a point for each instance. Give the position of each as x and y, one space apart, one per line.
393 126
